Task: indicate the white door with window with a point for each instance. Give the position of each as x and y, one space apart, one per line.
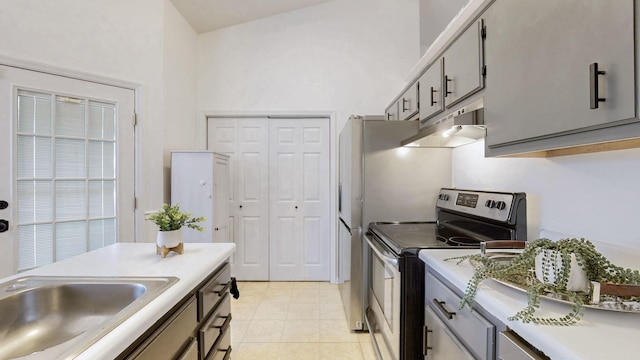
280 171
299 226
67 167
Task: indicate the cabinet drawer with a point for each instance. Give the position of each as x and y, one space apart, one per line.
222 350
214 329
470 328
191 351
213 291
168 339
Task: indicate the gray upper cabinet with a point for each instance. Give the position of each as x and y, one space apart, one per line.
406 106
463 65
431 97
542 81
392 112
408 103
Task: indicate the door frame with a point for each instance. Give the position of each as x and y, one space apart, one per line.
137 89
334 275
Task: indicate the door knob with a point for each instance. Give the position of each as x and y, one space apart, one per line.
4 225
3 204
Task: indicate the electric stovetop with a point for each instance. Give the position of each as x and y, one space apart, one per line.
408 236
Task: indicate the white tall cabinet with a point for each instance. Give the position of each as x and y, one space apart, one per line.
200 186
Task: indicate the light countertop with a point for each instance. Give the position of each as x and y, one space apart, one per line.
127 259
600 334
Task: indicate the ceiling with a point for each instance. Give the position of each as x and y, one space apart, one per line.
209 15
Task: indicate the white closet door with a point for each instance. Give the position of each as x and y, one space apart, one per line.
299 199
246 142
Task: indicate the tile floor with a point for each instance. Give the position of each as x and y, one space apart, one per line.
293 320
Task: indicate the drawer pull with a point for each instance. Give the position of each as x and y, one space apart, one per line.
227 354
223 327
224 289
426 341
440 305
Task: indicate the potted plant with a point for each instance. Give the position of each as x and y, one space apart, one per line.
170 220
568 268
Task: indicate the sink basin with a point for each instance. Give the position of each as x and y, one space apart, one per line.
59 317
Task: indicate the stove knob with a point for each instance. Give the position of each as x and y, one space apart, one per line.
500 205
490 204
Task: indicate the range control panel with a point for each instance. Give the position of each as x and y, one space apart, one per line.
491 205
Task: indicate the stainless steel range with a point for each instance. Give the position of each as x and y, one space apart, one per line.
465 218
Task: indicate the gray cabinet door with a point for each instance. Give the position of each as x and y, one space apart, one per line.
463 63
538 55
408 102
392 112
431 97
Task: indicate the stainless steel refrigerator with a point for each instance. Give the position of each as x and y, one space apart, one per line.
379 180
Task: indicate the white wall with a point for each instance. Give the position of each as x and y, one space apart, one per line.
594 196
116 39
180 88
347 56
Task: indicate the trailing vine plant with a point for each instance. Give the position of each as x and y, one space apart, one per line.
555 267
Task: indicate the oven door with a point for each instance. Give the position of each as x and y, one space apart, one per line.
384 300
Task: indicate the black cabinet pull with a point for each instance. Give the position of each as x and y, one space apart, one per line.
404 101
594 98
388 116
433 91
4 225
445 312
425 339
446 86
3 204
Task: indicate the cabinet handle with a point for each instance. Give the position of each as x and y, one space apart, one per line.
425 334
446 86
445 312
240 206
223 327
227 352
433 91
224 289
593 84
404 101
388 116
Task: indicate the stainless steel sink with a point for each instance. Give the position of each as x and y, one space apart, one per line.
59 317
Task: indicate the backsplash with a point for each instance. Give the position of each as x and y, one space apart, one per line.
594 196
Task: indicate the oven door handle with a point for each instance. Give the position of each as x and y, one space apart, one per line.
381 253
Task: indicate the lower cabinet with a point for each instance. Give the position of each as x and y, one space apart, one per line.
198 329
470 332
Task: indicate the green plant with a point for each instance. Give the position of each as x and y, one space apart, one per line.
169 218
521 270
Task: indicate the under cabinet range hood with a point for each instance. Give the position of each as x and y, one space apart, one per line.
461 127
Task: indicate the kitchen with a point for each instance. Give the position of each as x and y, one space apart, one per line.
264 66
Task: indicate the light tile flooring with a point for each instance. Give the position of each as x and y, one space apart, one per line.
293 320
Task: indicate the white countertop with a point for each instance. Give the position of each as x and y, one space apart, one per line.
600 334
127 259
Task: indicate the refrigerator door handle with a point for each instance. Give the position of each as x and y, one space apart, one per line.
340 198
